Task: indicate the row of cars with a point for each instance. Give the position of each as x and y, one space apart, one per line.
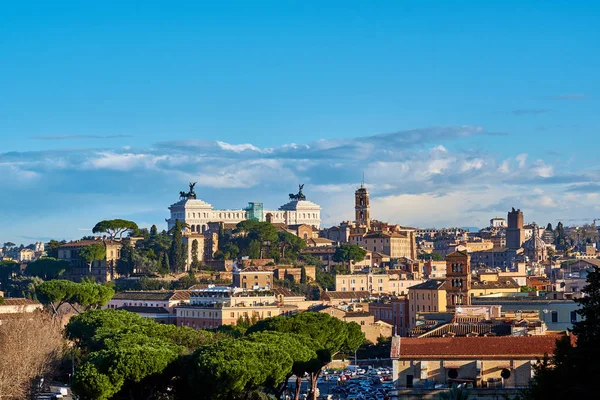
356 383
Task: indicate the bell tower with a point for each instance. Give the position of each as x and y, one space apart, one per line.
362 208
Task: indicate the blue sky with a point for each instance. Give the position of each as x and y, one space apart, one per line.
456 111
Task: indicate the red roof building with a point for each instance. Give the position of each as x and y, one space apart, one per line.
478 361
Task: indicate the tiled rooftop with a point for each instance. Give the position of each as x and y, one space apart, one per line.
503 347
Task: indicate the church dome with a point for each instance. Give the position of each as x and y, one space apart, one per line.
533 243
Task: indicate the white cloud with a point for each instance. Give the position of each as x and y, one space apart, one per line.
522 159
237 148
543 170
412 177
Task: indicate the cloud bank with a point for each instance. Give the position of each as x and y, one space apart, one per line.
416 177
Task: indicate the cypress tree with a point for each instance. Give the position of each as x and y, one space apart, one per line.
303 275
195 260
166 267
176 250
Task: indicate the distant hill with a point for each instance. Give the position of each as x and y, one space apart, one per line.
470 228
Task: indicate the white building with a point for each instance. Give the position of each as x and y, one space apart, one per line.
26 255
498 222
198 213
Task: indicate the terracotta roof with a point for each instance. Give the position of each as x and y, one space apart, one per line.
285 292
385 235
358 314
503 347
181 295
153 295
320 240
144 310
83 243
346 295
501 283
19 302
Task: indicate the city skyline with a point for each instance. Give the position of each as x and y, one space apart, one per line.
448 126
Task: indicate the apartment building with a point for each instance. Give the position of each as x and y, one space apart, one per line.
393 284
219 305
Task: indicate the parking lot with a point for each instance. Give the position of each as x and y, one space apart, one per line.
351 384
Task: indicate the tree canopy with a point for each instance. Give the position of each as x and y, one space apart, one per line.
126 353
48 268
329 335
350 253
114 227
93 252
87 295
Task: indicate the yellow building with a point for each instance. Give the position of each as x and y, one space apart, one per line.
253 277
394 244
428 296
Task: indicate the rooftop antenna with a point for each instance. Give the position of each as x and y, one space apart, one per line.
362 183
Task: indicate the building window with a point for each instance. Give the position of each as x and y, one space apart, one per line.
573 316
554 316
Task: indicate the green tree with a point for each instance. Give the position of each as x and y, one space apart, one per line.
48 268
52 248
231 367
290 245
560 237
127 355
253 250
349 253
432 256
125 264
8 268
86 294
309 259
114 227
176 254
330 336
153 231
195 261
303 275
166 266
91 253
325 280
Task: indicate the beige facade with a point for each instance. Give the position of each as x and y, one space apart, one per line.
101 270
18 305
295 273
207 243
492 362
26 255
425 297
371 328
374 283
216 306
253 277
394 244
